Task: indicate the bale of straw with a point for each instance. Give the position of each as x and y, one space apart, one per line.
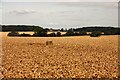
49 42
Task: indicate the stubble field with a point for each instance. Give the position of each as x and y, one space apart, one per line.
68 57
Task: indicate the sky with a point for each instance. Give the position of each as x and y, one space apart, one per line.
60 13
60 0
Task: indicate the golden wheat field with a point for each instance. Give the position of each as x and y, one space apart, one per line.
68 57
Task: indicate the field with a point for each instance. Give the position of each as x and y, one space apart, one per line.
68 57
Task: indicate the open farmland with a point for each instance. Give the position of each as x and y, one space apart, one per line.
68 57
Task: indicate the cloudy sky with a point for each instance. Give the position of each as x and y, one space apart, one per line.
58 14
60 0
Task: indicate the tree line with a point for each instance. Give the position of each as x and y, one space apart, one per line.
42 32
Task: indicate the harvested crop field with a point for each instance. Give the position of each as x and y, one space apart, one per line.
68 57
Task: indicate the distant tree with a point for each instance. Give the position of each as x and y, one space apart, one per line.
70 32
51 29
25 35
58 34
61 29
95 34
13 33
76 34
118 31
83 33
47 29
52 35
39 31
65 29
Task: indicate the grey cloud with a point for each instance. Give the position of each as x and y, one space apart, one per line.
22 11
88 4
